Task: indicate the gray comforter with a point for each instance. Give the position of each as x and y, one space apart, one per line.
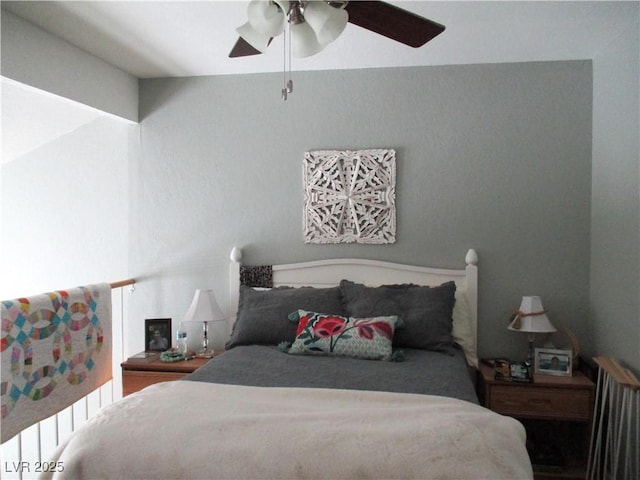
422 372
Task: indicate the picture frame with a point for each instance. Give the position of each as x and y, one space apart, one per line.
157 334
550 361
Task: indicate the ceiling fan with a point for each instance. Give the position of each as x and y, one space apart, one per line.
314 24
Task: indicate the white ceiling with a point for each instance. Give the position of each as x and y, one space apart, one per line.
180 38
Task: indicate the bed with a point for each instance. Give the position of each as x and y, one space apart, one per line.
338 368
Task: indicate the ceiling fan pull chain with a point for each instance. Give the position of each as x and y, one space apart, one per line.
284 63
287 84
285 35
290 82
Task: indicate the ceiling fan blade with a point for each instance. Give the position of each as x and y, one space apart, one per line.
243 49
393 22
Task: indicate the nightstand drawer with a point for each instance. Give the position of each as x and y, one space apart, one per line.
145 369
133 381
565 404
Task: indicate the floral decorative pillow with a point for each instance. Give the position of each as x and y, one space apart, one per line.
320 333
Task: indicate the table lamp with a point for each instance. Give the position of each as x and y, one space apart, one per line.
205 309
531 318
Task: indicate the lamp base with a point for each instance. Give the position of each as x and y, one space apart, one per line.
205 354
205 351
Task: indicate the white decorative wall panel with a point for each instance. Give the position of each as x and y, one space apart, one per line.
349 196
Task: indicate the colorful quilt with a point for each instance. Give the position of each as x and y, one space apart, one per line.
56 348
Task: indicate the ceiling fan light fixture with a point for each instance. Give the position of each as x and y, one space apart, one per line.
304 41
326 21
309 25
257 40
285 6
266 18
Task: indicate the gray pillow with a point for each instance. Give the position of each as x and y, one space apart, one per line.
262 314
425 311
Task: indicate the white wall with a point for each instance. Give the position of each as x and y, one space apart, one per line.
615 245
65 211
56 66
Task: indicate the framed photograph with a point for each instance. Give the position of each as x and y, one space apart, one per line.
553 362
157 334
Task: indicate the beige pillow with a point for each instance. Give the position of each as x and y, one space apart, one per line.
462 330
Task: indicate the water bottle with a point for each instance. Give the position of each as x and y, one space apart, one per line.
181 339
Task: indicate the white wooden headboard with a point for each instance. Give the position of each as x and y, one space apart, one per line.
328 273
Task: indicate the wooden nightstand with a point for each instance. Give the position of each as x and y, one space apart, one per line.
557 413
141 371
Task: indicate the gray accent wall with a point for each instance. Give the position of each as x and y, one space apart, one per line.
494 157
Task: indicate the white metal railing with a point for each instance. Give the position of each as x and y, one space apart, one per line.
615 437
22 457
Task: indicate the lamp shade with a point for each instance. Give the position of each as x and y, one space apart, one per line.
531 317
204 308
326 21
